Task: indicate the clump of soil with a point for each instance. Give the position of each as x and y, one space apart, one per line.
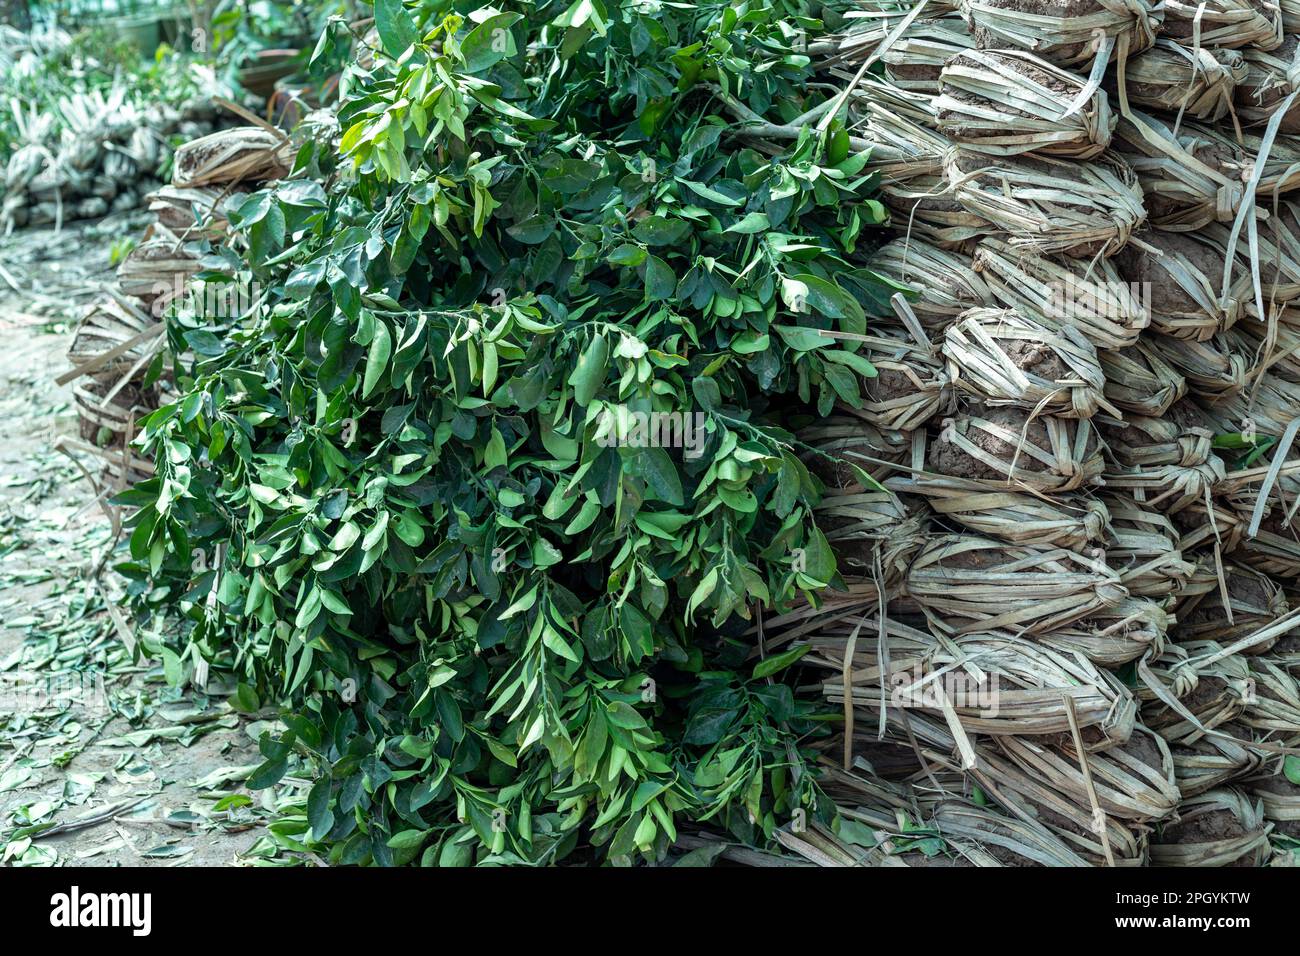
947 459
1144 748
987 40
1035 358
1209 827
1219 157
1151 271
952 121
1207 690
977 559
889 384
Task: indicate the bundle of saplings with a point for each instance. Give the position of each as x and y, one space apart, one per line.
494 482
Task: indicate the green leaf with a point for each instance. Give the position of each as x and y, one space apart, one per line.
395 27
779 662
381 347
589 374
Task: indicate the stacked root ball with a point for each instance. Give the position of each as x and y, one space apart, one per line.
1074 643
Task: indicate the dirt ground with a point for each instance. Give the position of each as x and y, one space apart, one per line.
101 763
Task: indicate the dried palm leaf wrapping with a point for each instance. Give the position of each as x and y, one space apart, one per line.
1280 799
1017 841
1008 102
158 269
1276 347
1003 358
1132 781
1270 77
1196 83
905 143
1222 827
1213 367
1007 448
1254 600
115 335
1225 23
193 212
1267 405
1207 682
916 58
1047 205
912 62
1039 809
1290 16
1170 488
1065 32
967 583
925 207
240 154
870 533
1143 547
1272 701
1204 761
845 447
1177 439
945 282
1059 292
1181 275
1189 178
108 409
1139 380
1134 628
1280 172
991 684
1069 522
910 385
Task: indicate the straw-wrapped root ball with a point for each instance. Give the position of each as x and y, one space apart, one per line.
915 60
1048 205
1008 102
1190 176
1065 32
849 453
1007 447
1181 277
1143 547
1197 82
1203 761
1254 600
1271 76
965 583
1003 358
926 207
945 283
1223 827
1056 291
1139 380
1075 522
910 386
1223 23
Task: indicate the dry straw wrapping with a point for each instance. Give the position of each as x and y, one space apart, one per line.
1181 275
1221 827
1008 102
241 154
1066 35
1225 23
1139 380
1190 177
1005 447
1049 205
1015 517
945 283
1058 292
967 583
1270 77
1195 82
1003 358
